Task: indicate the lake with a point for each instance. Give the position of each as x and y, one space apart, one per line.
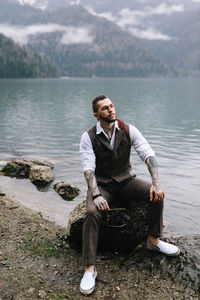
44 118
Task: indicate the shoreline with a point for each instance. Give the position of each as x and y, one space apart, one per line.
50 204
38 263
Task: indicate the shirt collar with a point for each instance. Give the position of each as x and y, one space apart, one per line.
100 129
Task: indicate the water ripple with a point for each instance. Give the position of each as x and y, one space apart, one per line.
45 119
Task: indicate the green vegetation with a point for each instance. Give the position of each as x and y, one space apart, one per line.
45 248
18 62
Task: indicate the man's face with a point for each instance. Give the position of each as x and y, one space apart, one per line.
106 111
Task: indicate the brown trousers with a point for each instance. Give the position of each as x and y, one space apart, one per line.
133 189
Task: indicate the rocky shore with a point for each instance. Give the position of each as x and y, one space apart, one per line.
38 263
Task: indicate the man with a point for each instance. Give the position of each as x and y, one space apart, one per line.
105 154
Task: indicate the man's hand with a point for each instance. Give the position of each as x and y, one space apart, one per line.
101 203
156 194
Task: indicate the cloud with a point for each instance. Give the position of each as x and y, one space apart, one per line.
76 2
130 19
41 4
75 35
133 17
106 15
149 33
71 35
29 2
196 1
165 9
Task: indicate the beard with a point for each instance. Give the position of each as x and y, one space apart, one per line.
107 120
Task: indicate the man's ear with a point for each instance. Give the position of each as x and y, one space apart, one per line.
96 115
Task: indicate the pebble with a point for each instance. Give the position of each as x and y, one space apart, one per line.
56 272
31 290
42 294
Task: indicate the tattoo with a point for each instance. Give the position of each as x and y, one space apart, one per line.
153 170
91 181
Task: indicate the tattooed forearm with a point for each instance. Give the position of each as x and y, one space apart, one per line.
91 181
99 201
153 170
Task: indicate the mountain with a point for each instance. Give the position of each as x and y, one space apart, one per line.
183 49
82 44
17 62
11 12
169 29
108 51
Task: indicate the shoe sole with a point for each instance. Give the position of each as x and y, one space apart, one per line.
87 292
156 250
174 254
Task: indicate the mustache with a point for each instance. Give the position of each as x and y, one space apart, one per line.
107 120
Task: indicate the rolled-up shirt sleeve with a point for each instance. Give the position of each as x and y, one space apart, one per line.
88 160
140 144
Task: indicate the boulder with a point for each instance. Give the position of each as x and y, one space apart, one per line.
66 190
20 168
41 175
183 269
130 240
121 230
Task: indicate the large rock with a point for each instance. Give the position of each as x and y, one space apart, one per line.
66 190
121 230
184 269
20 168
40 175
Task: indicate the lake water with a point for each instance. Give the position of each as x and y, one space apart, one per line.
45 119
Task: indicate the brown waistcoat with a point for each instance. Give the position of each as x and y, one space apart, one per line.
111 164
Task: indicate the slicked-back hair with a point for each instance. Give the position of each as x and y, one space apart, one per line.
95 102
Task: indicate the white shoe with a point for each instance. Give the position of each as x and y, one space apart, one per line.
87 284
165 248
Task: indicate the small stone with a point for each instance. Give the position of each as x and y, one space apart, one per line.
42 294
31 290
2 283
66 190
118 288
56 272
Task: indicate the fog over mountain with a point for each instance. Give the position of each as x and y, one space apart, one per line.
138 17
169 29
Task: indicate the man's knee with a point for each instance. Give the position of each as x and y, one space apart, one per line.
93 213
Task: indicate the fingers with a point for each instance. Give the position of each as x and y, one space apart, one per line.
101 204
156 195
104 205
152 194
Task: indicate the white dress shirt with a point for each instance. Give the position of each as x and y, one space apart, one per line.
139 143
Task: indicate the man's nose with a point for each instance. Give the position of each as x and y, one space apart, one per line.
110 109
